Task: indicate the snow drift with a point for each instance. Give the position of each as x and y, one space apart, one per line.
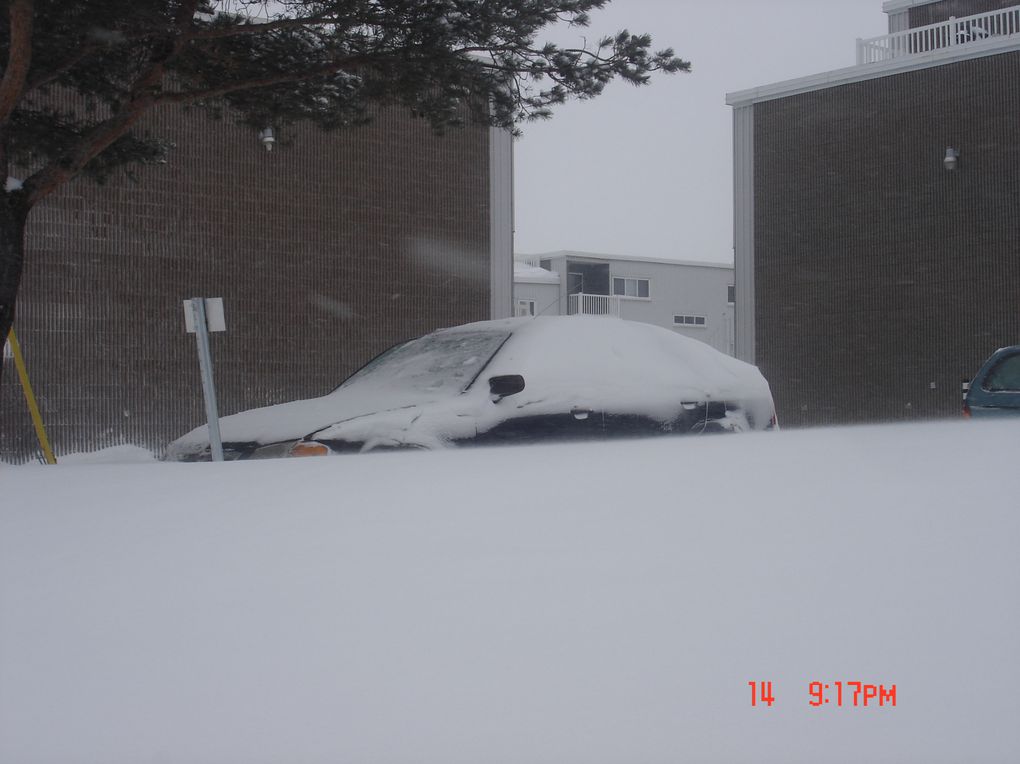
568 604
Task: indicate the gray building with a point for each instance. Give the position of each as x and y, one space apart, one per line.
877 242
692 298
326 251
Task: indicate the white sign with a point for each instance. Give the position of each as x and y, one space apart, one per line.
214 316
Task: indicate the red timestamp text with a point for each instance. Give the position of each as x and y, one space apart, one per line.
857 694
761 692
834 694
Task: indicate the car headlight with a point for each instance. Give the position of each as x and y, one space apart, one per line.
309 448
273 450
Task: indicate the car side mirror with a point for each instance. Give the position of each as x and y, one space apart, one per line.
507 384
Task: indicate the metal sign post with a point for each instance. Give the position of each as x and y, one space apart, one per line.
202 316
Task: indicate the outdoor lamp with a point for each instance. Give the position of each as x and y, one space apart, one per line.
952 159
267 138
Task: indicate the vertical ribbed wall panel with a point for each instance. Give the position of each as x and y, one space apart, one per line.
501 206
879 273
743 232
326 251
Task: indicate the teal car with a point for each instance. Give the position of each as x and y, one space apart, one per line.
995 391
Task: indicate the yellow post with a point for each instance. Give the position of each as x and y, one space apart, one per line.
33 407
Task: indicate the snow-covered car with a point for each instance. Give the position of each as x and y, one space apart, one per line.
509 381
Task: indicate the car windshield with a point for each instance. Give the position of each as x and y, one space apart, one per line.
446 362
1005 376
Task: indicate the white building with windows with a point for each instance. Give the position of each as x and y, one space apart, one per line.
692 298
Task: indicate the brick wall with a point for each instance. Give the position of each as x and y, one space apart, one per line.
877 271
326 251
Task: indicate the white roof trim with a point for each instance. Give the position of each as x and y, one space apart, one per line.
891 6
980 49
537 280
576 255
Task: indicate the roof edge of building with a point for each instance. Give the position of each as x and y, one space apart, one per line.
849 75
580 255
890 6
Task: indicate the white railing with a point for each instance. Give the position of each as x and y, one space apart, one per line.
956 31
533 260
593 305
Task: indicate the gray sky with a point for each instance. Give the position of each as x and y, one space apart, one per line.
648 171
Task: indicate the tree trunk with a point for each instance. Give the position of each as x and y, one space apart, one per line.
13 214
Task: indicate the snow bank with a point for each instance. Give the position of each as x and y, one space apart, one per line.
122 454
568 604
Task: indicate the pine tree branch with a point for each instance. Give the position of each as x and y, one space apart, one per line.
53 75
191 96
411 52
12 86
141 99
236 30
46 180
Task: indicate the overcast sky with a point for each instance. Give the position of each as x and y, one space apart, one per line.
648 171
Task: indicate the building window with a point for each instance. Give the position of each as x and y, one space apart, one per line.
690 321
575 283
731 294
628 287
525 308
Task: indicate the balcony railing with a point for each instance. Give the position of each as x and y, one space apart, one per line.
593 305
956 31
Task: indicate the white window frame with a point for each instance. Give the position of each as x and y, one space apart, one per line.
625 279
518 304
685 325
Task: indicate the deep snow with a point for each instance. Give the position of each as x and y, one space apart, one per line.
568 604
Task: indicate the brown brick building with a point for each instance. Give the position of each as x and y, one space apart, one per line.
870 277
326 250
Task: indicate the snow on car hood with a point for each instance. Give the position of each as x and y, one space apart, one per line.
270 424
294 420
422 372
431 426
603 363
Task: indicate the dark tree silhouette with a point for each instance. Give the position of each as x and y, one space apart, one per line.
324 61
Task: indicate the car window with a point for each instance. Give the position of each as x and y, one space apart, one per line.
370 364
443 362
1005 375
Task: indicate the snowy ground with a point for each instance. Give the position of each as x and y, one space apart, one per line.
567 604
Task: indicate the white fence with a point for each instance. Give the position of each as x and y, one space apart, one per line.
533 260
956 31
593 305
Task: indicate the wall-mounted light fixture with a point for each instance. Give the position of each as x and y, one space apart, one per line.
267 138
952 159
